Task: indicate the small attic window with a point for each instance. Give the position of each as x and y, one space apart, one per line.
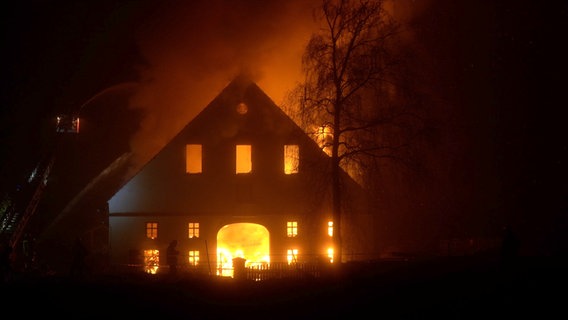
291 158
193 158
244 162
242 108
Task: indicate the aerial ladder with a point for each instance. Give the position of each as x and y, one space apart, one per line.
22 204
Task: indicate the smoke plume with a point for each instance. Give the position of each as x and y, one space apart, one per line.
193 49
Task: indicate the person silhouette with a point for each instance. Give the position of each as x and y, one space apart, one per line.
172 256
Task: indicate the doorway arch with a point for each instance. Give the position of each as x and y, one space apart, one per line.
250 241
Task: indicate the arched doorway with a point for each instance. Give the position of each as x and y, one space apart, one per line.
250 241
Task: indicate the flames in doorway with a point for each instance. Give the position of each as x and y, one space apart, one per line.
249 241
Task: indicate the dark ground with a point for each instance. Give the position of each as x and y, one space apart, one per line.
448 288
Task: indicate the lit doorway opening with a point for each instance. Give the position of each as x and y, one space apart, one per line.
249 241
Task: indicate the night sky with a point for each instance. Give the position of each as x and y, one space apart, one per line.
495 69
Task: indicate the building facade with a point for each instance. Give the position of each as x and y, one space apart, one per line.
241 180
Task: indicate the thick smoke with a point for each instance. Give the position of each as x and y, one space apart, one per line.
193 49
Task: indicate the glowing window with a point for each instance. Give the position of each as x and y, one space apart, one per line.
330 254
292 255
291 158
193 230
193 257
151 261
292 228
324 138
244 162
193 158
330 228
151 230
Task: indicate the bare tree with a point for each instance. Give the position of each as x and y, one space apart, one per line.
350 100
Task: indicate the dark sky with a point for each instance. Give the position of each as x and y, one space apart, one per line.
530 144
62 53
497 65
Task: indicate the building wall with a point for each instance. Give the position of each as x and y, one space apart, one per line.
163 192
127 234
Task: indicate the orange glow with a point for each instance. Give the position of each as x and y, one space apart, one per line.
193 257
292 255
291 158
151 261
292 228
249 241
151 230
330 228
244 162
242 108
330 254
193 230
324 138
193 156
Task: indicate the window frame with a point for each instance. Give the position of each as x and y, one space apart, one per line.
239 159
292 255
193 230
291 159
193 258
152 229
291 229
190 157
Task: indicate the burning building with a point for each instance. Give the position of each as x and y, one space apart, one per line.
241 180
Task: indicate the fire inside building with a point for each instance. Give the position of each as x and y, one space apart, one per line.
240 186
241 182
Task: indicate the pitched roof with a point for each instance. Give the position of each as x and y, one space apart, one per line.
220 125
